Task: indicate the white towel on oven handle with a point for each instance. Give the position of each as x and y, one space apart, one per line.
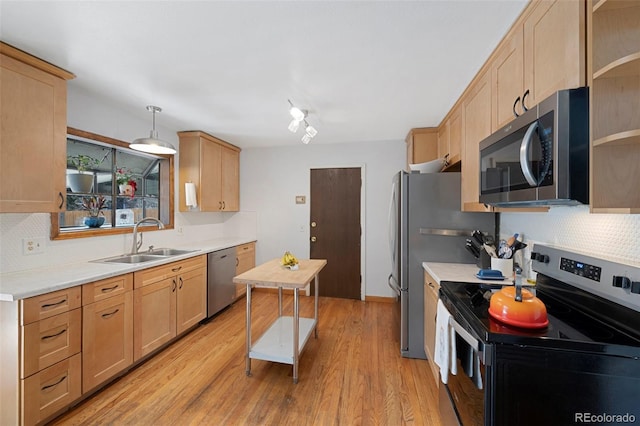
445 344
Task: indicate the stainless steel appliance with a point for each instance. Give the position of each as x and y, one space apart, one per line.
221 291
584 367
541 157
425 225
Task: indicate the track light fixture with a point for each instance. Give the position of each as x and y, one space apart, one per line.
299 116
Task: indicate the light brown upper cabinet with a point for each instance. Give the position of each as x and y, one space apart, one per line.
543 52
507 78
213 165
614 69
554 48
33 133
476 125
422 145
450 136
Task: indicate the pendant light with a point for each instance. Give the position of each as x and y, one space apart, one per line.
152 144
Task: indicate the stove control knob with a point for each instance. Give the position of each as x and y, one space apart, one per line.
635 287
543 258
621 281
534 255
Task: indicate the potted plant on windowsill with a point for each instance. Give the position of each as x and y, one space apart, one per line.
81 181
126 183
94 205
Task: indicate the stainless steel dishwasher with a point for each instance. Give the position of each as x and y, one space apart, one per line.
221 291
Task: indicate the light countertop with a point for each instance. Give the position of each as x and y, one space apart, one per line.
457 272
22 284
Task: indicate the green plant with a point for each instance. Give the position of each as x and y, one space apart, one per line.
83 162
94 205
123 176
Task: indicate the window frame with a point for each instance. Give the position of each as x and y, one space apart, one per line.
165 201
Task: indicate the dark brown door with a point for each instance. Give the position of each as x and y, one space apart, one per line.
335 230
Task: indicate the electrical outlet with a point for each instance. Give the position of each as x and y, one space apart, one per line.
32 245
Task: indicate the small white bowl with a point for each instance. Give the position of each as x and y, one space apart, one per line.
433 166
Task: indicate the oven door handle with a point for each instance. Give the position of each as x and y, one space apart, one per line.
466 336
524 154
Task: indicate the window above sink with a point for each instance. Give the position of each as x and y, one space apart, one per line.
133 184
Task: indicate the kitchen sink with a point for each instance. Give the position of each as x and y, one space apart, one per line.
149 256
131 258
168 252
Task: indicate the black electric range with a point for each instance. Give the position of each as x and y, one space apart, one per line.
584 367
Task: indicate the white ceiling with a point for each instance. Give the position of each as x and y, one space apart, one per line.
365 70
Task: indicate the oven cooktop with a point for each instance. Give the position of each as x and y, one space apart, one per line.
584 313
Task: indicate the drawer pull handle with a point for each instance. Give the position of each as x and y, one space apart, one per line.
110 314
48 305
431 285
51 336
176 269
54 385
107 289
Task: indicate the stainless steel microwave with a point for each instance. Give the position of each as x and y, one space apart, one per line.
541 158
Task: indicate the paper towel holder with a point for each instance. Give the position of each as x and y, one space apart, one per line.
191 199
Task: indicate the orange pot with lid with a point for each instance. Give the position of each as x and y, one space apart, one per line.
516 306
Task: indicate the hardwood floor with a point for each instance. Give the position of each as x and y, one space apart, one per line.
352 374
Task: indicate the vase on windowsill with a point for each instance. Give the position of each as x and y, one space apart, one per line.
94 221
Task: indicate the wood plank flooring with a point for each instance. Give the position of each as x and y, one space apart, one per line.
352 374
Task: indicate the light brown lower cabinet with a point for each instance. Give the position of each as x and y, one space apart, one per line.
431 288
107 330
245 260
51 389
61 345
168 300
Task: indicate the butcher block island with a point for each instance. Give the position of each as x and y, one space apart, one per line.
286 337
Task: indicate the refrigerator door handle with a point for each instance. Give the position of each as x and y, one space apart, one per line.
447 232
393 285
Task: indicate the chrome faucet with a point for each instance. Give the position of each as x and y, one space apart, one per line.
136 245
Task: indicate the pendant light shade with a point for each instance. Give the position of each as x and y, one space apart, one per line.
152 144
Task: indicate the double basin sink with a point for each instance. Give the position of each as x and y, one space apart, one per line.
148 256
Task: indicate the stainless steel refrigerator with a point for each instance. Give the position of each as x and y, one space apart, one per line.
425 225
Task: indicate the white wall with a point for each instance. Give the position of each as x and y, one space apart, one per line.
270 178
97 116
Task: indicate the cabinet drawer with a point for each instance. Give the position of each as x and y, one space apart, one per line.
50 390
159 273
245 248
50 340
47 305
103 289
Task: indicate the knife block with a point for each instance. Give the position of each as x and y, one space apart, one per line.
484 261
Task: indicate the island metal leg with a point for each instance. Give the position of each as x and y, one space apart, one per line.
248 358
315 330
296 337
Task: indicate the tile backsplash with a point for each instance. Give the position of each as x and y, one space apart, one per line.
613 236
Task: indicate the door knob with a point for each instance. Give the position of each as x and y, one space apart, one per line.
313 224
313 239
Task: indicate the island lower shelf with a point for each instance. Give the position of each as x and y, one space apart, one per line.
276 344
